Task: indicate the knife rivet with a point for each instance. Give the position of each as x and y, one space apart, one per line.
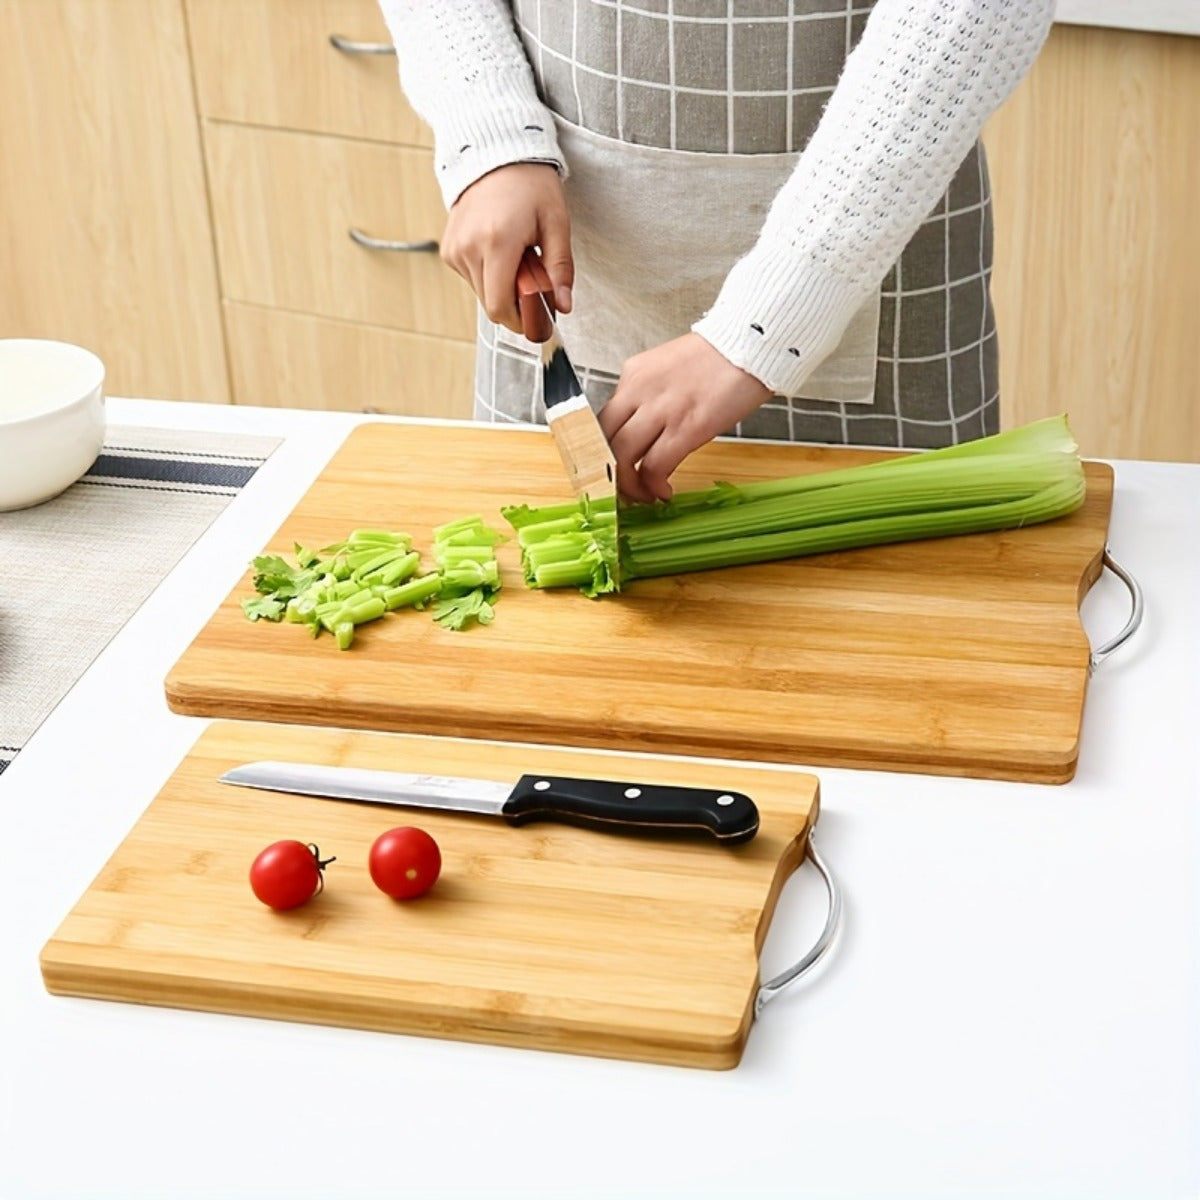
632 793
542 785
726 799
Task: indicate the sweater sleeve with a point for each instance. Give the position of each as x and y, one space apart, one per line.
464 71
912 100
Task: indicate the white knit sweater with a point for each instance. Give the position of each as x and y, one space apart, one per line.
911 101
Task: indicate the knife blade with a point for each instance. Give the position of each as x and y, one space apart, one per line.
586 455
731 817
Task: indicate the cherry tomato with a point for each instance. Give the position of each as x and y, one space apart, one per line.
286 874
404 862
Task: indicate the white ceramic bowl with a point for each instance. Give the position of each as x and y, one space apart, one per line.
51 418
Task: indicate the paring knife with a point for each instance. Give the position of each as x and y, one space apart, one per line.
586 454
731 817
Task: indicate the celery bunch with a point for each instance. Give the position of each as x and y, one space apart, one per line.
1020 477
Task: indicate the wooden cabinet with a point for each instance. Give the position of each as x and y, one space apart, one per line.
181 178
326 214
307 138
1095 164
284 207
278 63
106 238
292 360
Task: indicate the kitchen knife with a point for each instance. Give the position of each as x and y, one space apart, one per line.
586 454
731 817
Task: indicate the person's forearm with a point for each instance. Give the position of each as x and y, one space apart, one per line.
465 73
911 102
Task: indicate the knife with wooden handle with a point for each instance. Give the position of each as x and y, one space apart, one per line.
586 454
731 817
535 298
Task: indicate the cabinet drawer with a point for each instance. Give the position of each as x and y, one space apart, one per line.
283 207
271 62
286 360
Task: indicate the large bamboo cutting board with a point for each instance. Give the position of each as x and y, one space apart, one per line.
953 656
544 936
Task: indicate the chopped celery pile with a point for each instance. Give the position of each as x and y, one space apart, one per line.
374 572
465 553
1021 477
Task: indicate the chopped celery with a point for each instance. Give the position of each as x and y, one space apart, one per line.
360 611
400 570
363 562
465 553
414 591
456 612
373 572
263 608
336 588
386 536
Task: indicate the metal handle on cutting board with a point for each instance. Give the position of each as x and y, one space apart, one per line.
772 988
1135 616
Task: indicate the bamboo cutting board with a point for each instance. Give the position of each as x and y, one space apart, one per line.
956 656
542 936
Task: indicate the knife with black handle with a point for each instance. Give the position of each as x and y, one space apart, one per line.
730 817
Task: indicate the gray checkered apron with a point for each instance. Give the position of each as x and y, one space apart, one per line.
751 77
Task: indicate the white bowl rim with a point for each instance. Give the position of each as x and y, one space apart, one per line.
68 399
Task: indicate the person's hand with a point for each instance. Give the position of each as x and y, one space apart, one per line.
670 401
493 222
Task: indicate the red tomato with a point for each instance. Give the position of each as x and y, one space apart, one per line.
286 874
405 862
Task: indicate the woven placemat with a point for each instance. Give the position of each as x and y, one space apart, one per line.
75 569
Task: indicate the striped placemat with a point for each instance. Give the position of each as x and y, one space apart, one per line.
76 568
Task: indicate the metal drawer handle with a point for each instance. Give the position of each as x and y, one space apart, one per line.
372 243
772 988
1135 616
349 46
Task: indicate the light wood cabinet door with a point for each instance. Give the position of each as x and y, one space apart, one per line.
1095 165
106 237
272 62
284 205
289 360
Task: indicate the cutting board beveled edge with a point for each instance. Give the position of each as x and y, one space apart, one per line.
921 724
170 919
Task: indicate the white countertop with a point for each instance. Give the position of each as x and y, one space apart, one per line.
1150 16
1012 1008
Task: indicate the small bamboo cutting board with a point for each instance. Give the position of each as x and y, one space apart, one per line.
960 656
543 936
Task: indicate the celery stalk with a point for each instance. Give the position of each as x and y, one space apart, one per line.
1020 477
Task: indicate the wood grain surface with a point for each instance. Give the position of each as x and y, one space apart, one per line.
271 63
543 936
274 190
106 237
953 656
1095 170
281 359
